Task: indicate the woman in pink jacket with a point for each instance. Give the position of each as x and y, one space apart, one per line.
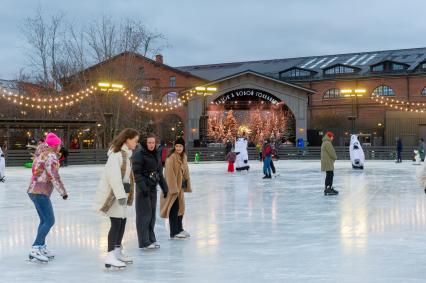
45 176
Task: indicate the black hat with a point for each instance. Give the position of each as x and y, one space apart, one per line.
180 140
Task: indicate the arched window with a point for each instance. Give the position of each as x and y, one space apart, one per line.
383 90
170 97
424 91
333 93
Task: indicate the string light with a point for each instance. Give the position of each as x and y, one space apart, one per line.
61 101
396 104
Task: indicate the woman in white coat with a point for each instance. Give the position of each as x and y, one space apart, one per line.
2 165
116 191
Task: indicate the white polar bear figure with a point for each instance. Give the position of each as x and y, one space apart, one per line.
356 153
417 158
2 165
241 162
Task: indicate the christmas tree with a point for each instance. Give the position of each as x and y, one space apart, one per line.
230 124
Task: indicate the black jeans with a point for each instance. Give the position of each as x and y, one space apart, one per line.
329 178
116 232
146 206
175 220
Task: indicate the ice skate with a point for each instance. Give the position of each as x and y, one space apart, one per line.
111 261
46 252
180 236
152 246
118 251
36 254
330 191
186 234
2 179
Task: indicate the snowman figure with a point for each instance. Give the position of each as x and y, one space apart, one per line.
356 153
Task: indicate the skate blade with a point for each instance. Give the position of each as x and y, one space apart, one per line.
109 267
36 260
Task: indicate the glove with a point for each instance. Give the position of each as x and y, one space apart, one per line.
64 197
122 201
165 194
245 161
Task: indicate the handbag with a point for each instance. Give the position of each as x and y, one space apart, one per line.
126 188
184 184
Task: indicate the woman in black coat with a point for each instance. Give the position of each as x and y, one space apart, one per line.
148 172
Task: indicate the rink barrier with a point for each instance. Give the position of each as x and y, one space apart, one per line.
99 156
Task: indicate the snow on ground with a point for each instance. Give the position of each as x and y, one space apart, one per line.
244 229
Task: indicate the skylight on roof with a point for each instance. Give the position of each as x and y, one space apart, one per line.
369 59
350 59
328 63
308 63
319 62
359 59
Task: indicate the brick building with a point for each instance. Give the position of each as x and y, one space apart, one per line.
393 74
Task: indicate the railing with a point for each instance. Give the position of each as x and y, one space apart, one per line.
99 156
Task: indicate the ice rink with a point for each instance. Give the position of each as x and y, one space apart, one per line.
244 229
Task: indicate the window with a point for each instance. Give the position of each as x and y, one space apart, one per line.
423 66
378 68
144 93
170 97
383 90
340 69
333 93
295 73
141 73
424 91
172 82
388 66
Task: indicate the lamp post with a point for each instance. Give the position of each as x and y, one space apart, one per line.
108 111
353 94
204 91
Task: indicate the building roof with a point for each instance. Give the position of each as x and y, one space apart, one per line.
363 60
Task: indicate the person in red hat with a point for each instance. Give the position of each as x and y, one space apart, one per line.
328 157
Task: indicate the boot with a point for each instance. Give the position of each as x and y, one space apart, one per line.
112 261
330 191
118 251
36 253
46 252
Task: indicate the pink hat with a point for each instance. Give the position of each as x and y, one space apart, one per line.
52 140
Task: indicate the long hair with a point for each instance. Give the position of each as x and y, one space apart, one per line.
122 137
182 155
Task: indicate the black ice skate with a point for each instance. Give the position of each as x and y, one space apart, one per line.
330 191
2 179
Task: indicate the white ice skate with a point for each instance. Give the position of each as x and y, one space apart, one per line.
36 254
46 252
112 261
121 256
180 236
186 234
153 246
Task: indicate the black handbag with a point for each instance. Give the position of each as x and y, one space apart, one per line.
126 188
152 179
184 184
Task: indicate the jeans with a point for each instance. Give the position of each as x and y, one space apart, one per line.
44 209
116 232
146 207
329 179
267 166
175 220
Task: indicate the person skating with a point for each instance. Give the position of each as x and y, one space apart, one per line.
398 150
231 157
162 151
228 148
45 177
267 156
422 148
115 192
148 172
2 166
328 157
172 205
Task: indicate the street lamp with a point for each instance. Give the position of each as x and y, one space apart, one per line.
204 91
354 94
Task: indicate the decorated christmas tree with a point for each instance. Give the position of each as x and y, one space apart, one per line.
230 124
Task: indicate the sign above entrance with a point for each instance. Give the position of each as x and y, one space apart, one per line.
247 94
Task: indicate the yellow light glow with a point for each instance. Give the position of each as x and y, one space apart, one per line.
200 88
120 86
360 91
346 91
211 89
103 84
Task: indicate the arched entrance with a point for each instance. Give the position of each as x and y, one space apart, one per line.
257 114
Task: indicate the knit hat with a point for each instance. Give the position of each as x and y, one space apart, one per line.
329 134
52 140
180 141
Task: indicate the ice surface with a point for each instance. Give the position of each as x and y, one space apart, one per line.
244 229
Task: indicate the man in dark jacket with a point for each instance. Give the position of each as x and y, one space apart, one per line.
398 150
148 172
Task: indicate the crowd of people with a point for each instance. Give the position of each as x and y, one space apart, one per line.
132 173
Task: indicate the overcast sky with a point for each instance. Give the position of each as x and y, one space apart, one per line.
206 31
